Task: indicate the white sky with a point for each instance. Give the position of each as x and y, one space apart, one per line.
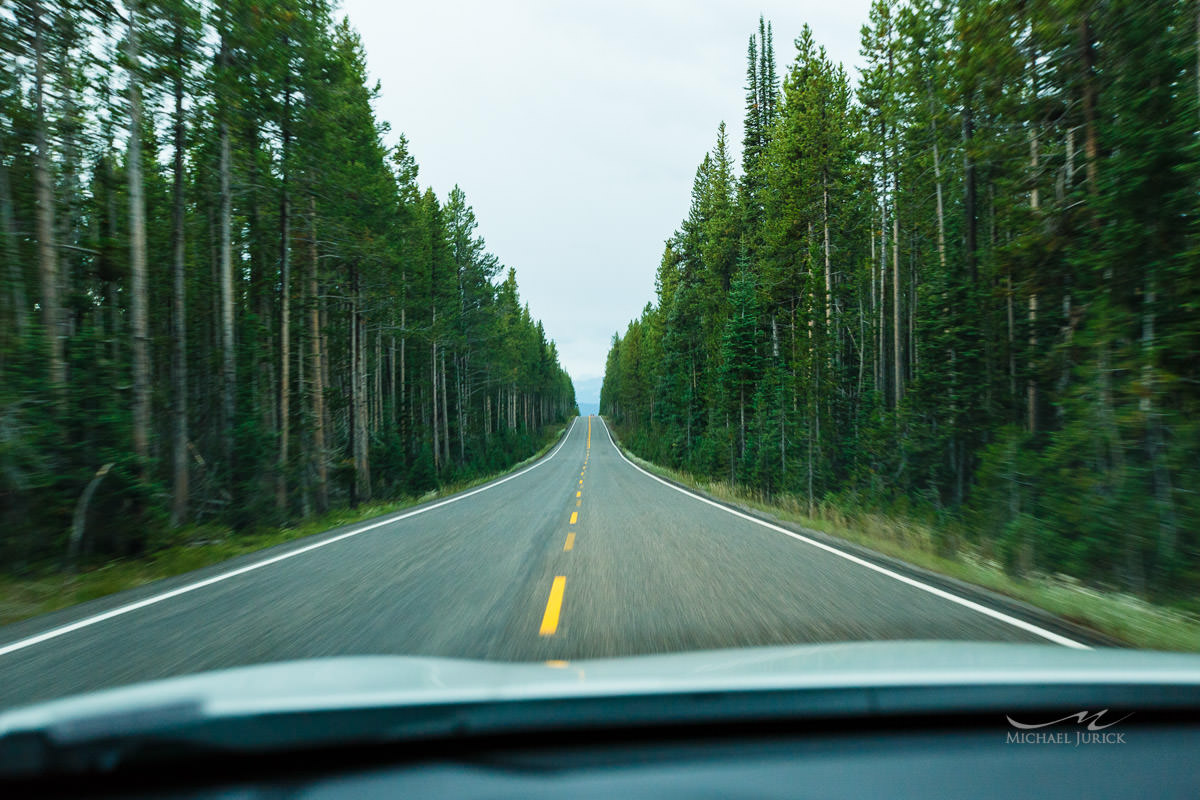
575 129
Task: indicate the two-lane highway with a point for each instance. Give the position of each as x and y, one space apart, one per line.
581 554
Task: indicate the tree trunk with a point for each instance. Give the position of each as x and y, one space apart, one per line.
968 128
179 409
362 465
883 257
318 384
52 320
433 373
1031 387
404 419
462 434
937 177
364 452
137 252
352 416
897 342
1012 342
1031 391
875 354
445 415
68 128
228 362
828 265
392 382
285 300
377 384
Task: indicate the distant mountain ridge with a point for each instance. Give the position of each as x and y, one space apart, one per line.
587 394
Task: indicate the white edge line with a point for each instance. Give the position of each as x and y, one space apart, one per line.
54 633
953 598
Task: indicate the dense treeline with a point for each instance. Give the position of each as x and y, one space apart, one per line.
218 280
965 289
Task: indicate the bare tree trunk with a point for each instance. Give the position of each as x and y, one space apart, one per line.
1012 343
1030 383
352 416
358 394
828 267
377 384
462 434
914 361
228 362
445 415
897 341
883 257
362 441
285 300
392 381
403 377
830 339
318 384
968 134
110 287
323 311
874 355
47 248
179 409
137 251
301 390
68 128
937 177
433 372
810 469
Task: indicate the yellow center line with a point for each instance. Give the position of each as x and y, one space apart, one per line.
574 517
581 483
579 494
578 503
570 541
553 606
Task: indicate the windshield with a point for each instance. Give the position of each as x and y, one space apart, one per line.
539 333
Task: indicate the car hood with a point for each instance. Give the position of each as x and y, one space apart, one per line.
360 682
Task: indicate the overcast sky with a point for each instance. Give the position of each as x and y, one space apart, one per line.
575 129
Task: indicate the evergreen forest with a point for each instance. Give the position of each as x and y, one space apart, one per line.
223 298
961 288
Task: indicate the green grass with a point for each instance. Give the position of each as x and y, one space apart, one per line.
194 547
1127 618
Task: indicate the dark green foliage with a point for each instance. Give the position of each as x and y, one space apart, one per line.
966 292
396 318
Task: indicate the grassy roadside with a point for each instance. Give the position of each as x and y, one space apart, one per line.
199 546
1125 617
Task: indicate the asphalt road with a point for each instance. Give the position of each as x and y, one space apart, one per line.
580 555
